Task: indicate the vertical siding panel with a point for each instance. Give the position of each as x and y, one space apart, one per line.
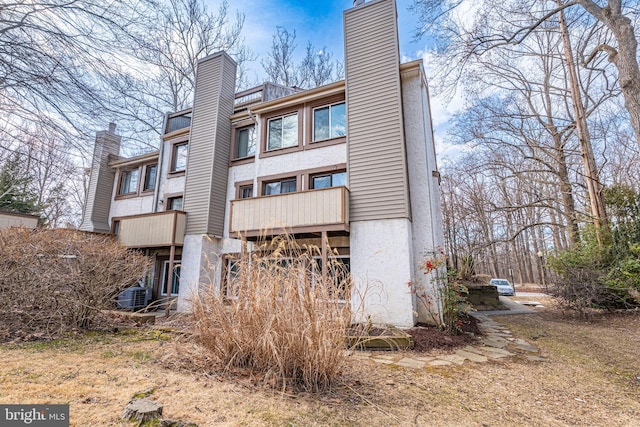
101 183
209 141
291 210
332 204
312 216
323 207
375 137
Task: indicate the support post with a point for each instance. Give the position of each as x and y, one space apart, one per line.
172 256
324 256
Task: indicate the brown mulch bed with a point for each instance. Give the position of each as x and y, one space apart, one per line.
429 338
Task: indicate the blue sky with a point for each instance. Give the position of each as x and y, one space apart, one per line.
319 22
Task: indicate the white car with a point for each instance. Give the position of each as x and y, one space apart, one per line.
504 287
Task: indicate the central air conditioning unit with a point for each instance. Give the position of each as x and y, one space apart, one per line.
133 298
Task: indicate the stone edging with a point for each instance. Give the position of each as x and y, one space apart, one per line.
497 343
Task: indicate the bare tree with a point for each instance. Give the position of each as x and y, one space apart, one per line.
280 65
592 175
186 31
164 53
51 57
615 16
66 68
317 68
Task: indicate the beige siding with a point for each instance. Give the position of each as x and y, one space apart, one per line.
210 138
142 231
96 211
326 208
8 220
375 137
181 222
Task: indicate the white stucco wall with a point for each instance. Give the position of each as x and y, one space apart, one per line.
423 188
200 267
301 160
381 266
131 206
169 184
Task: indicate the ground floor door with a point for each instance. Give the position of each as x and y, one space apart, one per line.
162 278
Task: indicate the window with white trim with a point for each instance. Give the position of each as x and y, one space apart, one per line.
245 191
175 284
232 273
329 122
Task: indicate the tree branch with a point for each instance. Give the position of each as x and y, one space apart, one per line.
601 48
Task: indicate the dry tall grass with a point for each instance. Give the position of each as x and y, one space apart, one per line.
278 319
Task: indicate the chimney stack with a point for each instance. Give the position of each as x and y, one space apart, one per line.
95 217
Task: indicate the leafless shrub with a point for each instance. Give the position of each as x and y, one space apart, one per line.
481 278
579 289
61 279
277 319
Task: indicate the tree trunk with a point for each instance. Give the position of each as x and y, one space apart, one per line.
142 410
594 186
625 58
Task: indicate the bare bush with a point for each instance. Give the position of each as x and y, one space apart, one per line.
578 289
278 319
61 279
481 278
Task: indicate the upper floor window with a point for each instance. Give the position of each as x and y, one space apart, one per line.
129 181
150 177
327 180
280 187
245 191
329 122
174 203
282 132
245 144
179 157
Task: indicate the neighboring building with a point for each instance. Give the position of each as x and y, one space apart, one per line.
351 162
10 219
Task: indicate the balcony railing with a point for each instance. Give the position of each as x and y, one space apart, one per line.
310 211
177 121
151 230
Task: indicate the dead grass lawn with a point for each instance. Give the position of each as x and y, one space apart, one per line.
589 379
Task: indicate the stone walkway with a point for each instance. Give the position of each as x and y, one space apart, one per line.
497 343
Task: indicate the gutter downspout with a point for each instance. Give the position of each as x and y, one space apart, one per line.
156 192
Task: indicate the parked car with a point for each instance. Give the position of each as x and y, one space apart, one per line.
504 287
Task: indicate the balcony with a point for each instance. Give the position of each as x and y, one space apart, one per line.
151 230
177 121
309 211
